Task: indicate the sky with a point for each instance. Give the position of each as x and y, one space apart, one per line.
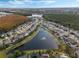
38 3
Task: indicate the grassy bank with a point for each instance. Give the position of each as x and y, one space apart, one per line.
2 54
24 40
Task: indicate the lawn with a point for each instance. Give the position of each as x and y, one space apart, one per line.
2 54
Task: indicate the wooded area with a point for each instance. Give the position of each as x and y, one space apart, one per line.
10 21
69 20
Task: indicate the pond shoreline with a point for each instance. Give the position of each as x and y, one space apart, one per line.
36 46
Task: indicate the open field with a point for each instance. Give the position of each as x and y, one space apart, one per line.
69 20
10 21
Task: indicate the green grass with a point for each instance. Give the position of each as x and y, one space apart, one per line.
68 20
2 54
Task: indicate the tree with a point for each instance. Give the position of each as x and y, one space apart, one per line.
17 53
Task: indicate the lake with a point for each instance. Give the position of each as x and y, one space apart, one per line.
43 40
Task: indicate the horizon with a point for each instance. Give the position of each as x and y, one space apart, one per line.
42 8
39 3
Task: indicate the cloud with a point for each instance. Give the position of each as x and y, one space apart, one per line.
31 1
16 2
48 2
27 3
77 0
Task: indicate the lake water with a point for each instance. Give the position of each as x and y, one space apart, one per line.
43 40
